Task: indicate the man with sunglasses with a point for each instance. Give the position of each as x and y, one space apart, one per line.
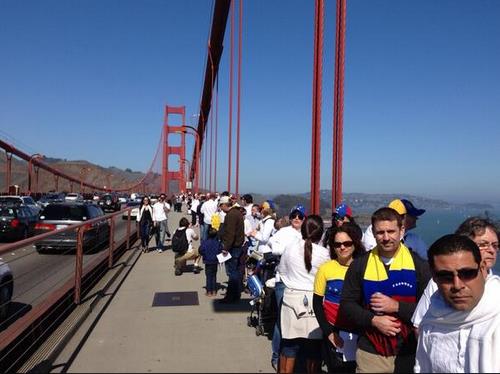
460 333
483 232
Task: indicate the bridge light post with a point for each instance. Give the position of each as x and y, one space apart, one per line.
197 154
30 169
82 171
108 181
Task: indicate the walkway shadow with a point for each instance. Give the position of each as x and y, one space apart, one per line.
241 306
16 311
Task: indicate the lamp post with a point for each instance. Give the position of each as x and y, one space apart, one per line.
108 179
82 171
197 154
30 168
184 162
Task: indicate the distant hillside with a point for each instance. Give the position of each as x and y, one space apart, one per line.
97 175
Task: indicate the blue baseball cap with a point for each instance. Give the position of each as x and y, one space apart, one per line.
342 210
410 208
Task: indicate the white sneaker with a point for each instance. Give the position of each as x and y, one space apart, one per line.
159 250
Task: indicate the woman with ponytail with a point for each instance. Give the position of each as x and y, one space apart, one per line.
299 327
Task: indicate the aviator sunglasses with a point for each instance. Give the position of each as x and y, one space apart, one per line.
465 274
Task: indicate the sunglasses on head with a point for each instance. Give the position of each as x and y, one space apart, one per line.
447 277
347 243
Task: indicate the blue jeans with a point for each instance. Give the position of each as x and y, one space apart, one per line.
144 227
235 275
279 290
211 275
203 231
161 231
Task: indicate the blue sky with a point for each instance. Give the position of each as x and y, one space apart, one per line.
90 79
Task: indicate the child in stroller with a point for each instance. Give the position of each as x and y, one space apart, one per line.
261 269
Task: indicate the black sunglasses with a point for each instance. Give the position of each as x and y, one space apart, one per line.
296 215
447 277
347 243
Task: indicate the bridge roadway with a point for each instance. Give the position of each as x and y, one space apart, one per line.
129 335
36 275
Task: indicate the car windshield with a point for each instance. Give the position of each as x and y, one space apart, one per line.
64 212
6 212
10 200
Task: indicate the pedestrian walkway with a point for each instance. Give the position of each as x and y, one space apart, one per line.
133 336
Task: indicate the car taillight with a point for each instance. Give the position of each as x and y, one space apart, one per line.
14 223
88 226
45 226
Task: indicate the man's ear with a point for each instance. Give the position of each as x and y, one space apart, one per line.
482 268
402 231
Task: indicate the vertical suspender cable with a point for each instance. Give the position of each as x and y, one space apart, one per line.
216 130
211 115
240 19
338 105
230 135
316 113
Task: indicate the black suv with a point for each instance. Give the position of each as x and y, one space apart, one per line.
110 202
16 222
57 216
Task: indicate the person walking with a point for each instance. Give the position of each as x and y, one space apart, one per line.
161 209
145 219
209 249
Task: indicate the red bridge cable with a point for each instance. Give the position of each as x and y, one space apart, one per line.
211 116
338 119
216 130
316 112
230 133
239 101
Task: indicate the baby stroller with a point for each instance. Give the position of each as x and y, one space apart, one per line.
261 269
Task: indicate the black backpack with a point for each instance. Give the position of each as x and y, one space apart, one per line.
179 241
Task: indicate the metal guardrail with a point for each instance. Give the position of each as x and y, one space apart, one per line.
27 329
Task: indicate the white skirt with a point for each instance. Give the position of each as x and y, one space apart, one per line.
298 320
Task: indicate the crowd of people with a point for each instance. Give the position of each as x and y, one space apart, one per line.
372 301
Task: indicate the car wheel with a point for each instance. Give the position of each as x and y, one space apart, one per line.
4 303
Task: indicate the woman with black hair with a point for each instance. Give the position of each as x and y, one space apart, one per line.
145 219
339 346
299 328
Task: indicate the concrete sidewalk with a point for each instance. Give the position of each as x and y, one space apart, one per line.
133 336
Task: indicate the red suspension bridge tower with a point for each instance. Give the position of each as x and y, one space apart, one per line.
179 150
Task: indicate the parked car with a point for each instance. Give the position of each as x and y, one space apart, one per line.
73 196
22 200
51 198
6 290
110 202
17 222
134 212
57 216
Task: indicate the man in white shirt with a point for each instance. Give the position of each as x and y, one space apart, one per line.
208 209
247 201
160 211
460 333
194 208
